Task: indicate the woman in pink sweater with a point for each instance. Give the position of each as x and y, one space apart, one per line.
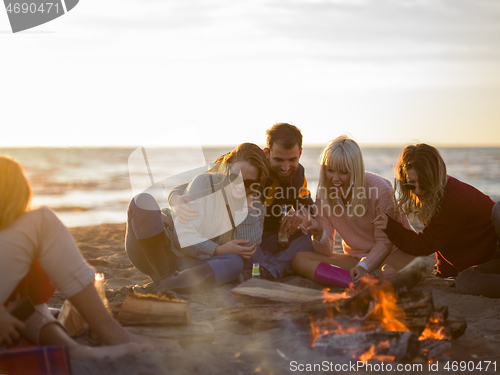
346 203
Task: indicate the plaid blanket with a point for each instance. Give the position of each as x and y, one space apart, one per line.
38 360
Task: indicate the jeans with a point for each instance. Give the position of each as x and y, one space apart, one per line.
279 262
146 223
484 278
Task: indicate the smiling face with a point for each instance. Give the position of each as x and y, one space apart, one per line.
413 184
247 175
284 163
340 178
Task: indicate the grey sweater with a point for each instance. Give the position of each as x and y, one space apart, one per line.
199 238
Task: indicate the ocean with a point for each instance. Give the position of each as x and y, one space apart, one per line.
91 186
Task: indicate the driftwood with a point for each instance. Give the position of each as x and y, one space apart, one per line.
72 320
260 291
396 344
153 310
196 332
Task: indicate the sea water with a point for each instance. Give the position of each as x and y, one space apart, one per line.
91 186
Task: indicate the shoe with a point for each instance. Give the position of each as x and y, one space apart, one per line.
157 251
331 275
191 280
266 275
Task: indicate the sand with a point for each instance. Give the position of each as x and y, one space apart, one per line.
236 349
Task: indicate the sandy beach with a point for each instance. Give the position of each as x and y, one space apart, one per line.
232 348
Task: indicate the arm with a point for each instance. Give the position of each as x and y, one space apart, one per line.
324 245
381 249
176 191
181 204
193 236
440 230
251 226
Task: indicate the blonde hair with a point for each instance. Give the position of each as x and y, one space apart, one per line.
427 162
343 153
15 191
256 157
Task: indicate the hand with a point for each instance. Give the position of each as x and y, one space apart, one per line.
357 273
309 224
9 328
235 247
182 207
290 223
380 222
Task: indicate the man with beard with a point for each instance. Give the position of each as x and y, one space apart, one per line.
287 185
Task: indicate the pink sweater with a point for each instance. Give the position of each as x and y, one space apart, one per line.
360 238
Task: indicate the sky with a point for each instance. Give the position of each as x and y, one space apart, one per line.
213 72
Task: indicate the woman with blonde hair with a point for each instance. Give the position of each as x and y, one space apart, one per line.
209 250
461 224
36 250
346 203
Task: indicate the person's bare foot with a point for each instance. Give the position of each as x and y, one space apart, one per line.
157 343
113 351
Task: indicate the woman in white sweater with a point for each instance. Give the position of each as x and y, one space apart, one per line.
209 250
37 255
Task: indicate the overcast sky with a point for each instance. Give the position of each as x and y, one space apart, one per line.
131 72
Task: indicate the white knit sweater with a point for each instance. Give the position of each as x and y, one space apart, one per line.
199 238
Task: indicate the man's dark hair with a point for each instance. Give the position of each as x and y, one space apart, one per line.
285 134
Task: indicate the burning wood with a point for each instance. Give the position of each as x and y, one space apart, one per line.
380 312
378 343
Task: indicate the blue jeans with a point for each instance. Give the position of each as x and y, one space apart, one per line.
279 262
146 223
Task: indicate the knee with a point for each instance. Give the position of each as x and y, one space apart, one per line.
466 282
143 201
495 217
236 262
299 260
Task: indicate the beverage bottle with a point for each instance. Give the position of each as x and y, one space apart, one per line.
282 241
256 271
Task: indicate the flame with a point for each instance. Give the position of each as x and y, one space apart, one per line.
386 310
434 328
367 355
383 310
371 354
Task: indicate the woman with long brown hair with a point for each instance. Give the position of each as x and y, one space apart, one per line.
461 224
37 253
209 250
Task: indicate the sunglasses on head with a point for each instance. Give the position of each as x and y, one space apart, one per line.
234 175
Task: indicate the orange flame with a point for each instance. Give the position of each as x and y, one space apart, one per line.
372 353
367 355
434 329
384 312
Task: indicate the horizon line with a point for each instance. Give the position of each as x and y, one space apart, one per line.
308 145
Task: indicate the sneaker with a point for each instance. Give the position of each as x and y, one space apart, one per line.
266 275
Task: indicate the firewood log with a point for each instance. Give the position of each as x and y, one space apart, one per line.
400 345
153 310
